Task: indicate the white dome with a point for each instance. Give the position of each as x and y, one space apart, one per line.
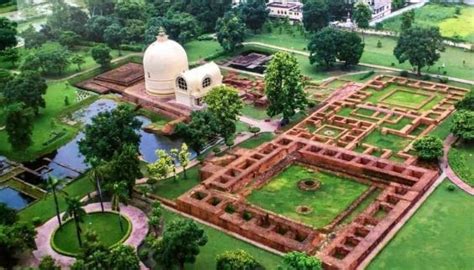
163 61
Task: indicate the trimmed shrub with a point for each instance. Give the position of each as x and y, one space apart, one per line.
404 73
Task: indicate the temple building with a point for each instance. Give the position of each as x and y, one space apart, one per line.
167 73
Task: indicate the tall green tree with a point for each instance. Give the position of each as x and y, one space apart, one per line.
180 26
467 103
67 18
180 243
463 125
162 167
124 257
284 86
323 47
114 36
155 219
362 15
419 46
119 193
315 15
27 88
108 133
78 60
96 25
338 9
8 215
54 58
48 263
15 238
224 102
349 48
230 31
398 4
255 14
68 39
100 7
54 185
33 38
97 174
10 55
408 18
101 55
300 261
19 126
7 33
184 157
124 167
237 260
199 131
428 147
75 211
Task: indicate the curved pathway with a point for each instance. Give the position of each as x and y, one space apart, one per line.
44 233
447 169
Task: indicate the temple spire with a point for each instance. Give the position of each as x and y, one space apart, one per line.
161 35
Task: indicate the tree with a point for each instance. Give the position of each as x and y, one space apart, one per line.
91 246
255 14
300 261
10 55
236 260
53 58
19 126
180 26
183 157
338 9
124 257
199 131
349 48
31 62
8 216
119 194
155 219
207 12
75 211
15 239
97 174
124 167
463 125
362 15
467 103
130 10
398 4
54 186
161 168
428 147
108 133
407 20
315 15
230 31
48 263
225 104
284 86
33 38
113 36
100 7
78 59
68 39
67 18
323 47
180 243
27 88
420 46
96 25
7 33
101 55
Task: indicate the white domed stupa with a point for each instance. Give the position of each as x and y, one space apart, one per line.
164 60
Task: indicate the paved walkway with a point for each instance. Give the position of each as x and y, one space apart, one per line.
444 164
43 238
361 64
262 124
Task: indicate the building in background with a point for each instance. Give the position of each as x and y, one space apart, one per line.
293 10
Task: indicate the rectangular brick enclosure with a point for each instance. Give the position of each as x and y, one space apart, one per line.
328 142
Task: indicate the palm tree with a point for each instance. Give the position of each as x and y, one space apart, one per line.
120 193
74 210
53 185
97 175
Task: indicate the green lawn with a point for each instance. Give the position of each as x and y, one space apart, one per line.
44 208
461 159
387 141
218 242
48 132
106 225
399 125
443 129
281 195
406 99
251 111
452 58
439 235
172 189
198 50
256 141
442 16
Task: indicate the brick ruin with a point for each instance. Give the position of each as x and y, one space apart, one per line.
226 181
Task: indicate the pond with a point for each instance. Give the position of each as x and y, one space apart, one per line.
14 199
68 163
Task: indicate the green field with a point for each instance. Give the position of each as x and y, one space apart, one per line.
251 111
172 189
387 141
439 235
106 225
282 195
198 50
443 16
258 140
461 158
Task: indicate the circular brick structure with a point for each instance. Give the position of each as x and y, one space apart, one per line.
303 209
309 184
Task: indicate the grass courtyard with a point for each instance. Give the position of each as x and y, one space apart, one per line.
257 140
172 189
282 195
461 158
106 225
451 24
439 235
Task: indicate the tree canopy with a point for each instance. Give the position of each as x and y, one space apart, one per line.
27 88
467 103
254 13
428 147
463 125
199 131
300 261
362 15
323 47
236 260
230 31
101 55
315 15
7 33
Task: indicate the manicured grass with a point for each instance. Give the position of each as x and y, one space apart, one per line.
218 242
251 111
406 99
44 209
8 7
387 141
399 125
198 50
172 189
281 195
257 140
461 159
106 225
443 129
48 132
452 58
439 235
442 16
361 207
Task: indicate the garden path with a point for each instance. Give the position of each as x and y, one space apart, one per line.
44 233
444 164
